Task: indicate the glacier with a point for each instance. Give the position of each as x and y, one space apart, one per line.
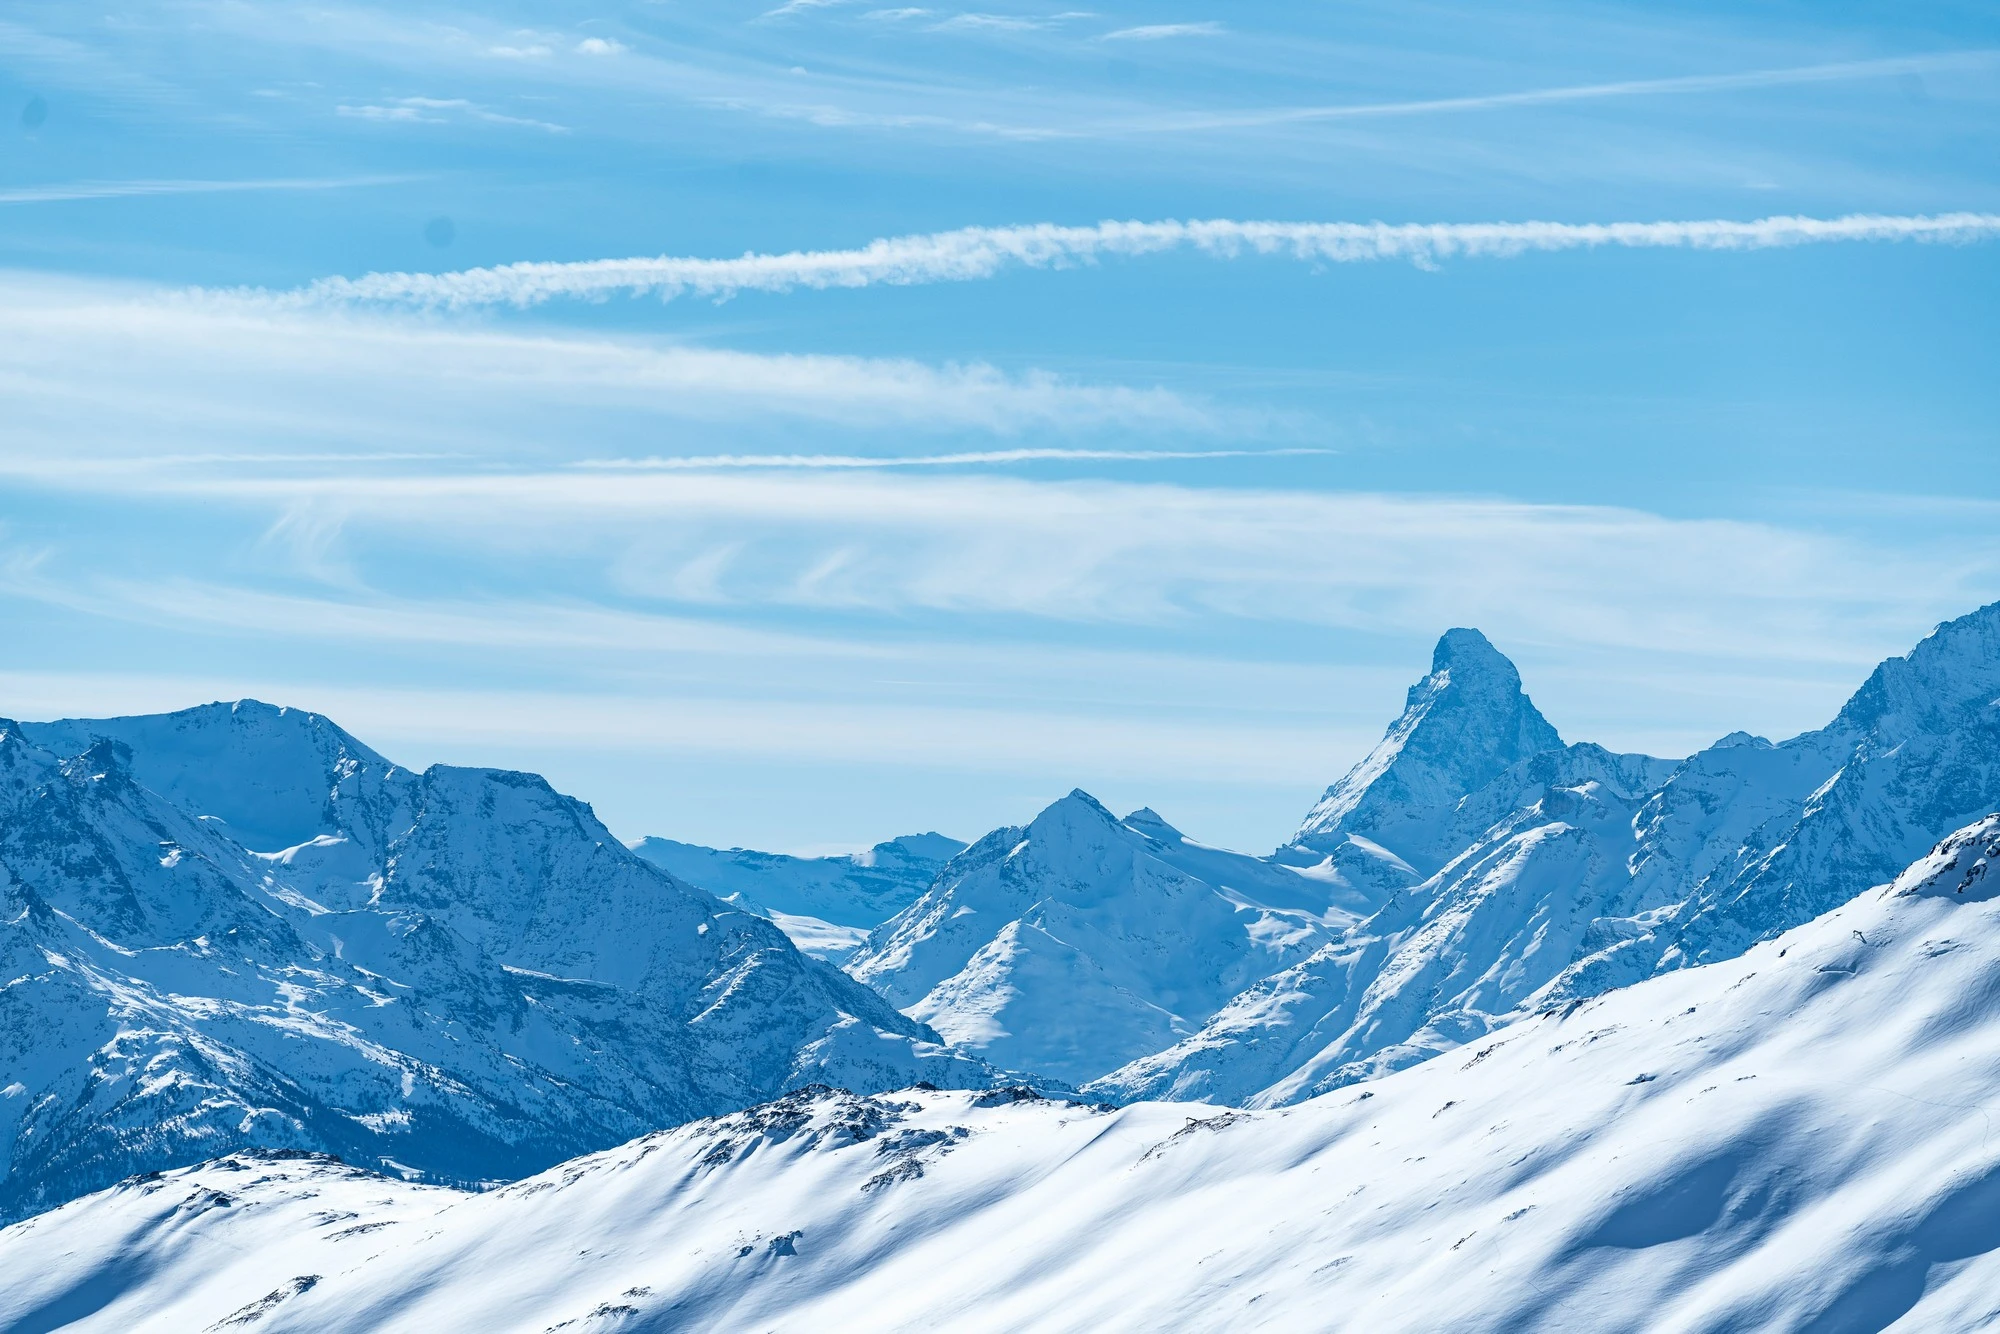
1795 1138
238 927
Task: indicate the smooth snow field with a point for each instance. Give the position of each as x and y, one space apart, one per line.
1801 1138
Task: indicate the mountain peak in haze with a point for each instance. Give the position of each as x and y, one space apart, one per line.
1462 725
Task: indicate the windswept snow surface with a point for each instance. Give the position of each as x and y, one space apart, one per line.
1800 1138
459 972
827 905
1080 941
1572 870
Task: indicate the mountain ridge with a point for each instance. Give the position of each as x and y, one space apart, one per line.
461 971
1579 871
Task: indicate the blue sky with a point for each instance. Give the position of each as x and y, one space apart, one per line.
1175 518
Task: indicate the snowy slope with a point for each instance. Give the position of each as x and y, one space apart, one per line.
1575 870
460 972
1792 1140
1079 941
827 905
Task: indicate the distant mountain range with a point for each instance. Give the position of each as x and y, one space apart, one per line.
238 928
1537 873
1791 1140
1471 869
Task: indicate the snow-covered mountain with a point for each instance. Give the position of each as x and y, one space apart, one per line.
1782 833
1572 870
1793 1139
238 926
827 905
1395 818
1080 941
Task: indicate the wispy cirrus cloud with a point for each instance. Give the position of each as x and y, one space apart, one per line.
978 22
982 252
963 458
1678 85
1157 32
66 191
1096 552
795 7
443 110
99 366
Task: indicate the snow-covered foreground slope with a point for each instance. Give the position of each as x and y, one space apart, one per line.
1076 942
827 905
459 974
1797 1139
1567 870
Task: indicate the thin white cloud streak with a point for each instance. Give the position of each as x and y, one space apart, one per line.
703 462
75 353
423 111
791 7
1834 72
1155 32
516 624
974 253
67 191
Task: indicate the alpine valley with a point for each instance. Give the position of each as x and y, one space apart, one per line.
1514 1033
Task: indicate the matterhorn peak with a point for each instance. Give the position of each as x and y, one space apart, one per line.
1467 650
1462 725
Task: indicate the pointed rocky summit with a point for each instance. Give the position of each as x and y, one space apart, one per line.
1462 725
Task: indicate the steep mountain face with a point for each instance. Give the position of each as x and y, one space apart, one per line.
1670 1156
1389 822
459 973
1575 870
1079 941
1441 962
827 905
1463 725
1916 751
